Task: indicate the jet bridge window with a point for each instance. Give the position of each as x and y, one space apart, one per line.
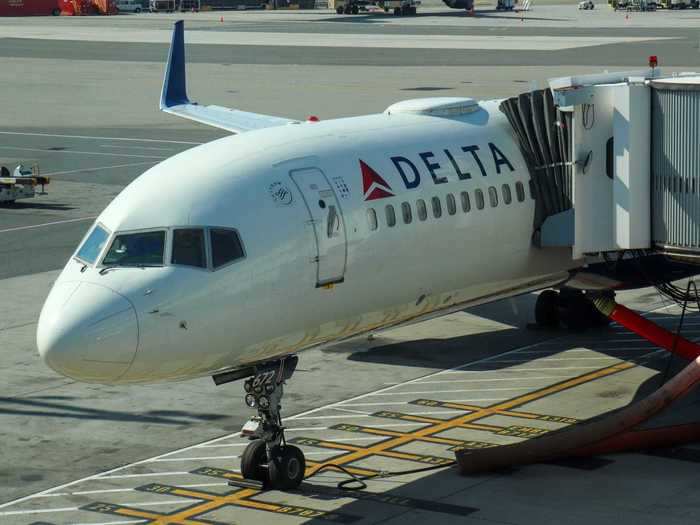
479 196
451 204
390 216
466 205
372 219
422 209
406 212
226 246
188 248
507 197
520 191
437 207
136 249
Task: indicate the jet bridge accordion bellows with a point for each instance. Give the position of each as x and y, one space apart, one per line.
544 136
675 167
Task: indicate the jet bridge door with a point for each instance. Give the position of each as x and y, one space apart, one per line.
326 219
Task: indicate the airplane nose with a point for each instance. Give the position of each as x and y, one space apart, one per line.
87 332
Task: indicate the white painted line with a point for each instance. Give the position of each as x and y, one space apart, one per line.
446 411
157 503
150 148
548 359
584 350
521 370
74 152
536 378
35 226
124 476
100 168
109 491
409 403
451 391
37 511
218 457
112 522
368 41
87 137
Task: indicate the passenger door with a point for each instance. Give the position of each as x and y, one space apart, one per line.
326 218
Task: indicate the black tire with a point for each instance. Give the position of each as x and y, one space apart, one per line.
287 467
547 309
253 460
355 10
55 12
137 10
339 9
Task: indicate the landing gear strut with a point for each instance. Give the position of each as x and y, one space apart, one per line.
569 307
268 458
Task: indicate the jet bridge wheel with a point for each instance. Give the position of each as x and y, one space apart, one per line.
286 467
547 309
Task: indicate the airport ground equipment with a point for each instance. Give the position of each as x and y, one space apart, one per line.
156 6
398 7
21 184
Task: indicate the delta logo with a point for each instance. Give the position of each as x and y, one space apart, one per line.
373 185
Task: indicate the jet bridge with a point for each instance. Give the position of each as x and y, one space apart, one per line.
614 160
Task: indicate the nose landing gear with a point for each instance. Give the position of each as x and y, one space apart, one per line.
268 458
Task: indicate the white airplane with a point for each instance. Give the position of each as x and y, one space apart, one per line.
231 257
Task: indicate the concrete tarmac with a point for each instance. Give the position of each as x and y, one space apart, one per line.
86 110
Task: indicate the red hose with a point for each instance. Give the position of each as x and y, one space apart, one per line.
648 330
611 432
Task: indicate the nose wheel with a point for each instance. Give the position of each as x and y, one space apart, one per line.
268 458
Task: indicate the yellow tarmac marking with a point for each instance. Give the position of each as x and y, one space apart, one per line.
443 425
385 448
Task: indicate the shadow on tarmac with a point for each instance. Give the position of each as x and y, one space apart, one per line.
49 406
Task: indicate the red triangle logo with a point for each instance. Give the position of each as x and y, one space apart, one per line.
373 185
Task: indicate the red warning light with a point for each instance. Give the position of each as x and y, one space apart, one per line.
653 61
313 118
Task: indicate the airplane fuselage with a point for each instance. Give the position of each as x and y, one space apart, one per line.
347 226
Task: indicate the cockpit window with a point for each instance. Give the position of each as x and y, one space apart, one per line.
188 248
225 247
136 249
93 244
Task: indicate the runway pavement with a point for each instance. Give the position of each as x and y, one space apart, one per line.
84 106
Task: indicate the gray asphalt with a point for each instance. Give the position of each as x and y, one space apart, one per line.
92 95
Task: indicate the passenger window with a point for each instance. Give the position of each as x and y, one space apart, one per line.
406 212
437 207
479 196
493 196
520 191
466 205
226 246
188 248
507 198
372 218
422 209
390 216
451 204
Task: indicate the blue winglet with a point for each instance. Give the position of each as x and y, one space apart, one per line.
175 83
